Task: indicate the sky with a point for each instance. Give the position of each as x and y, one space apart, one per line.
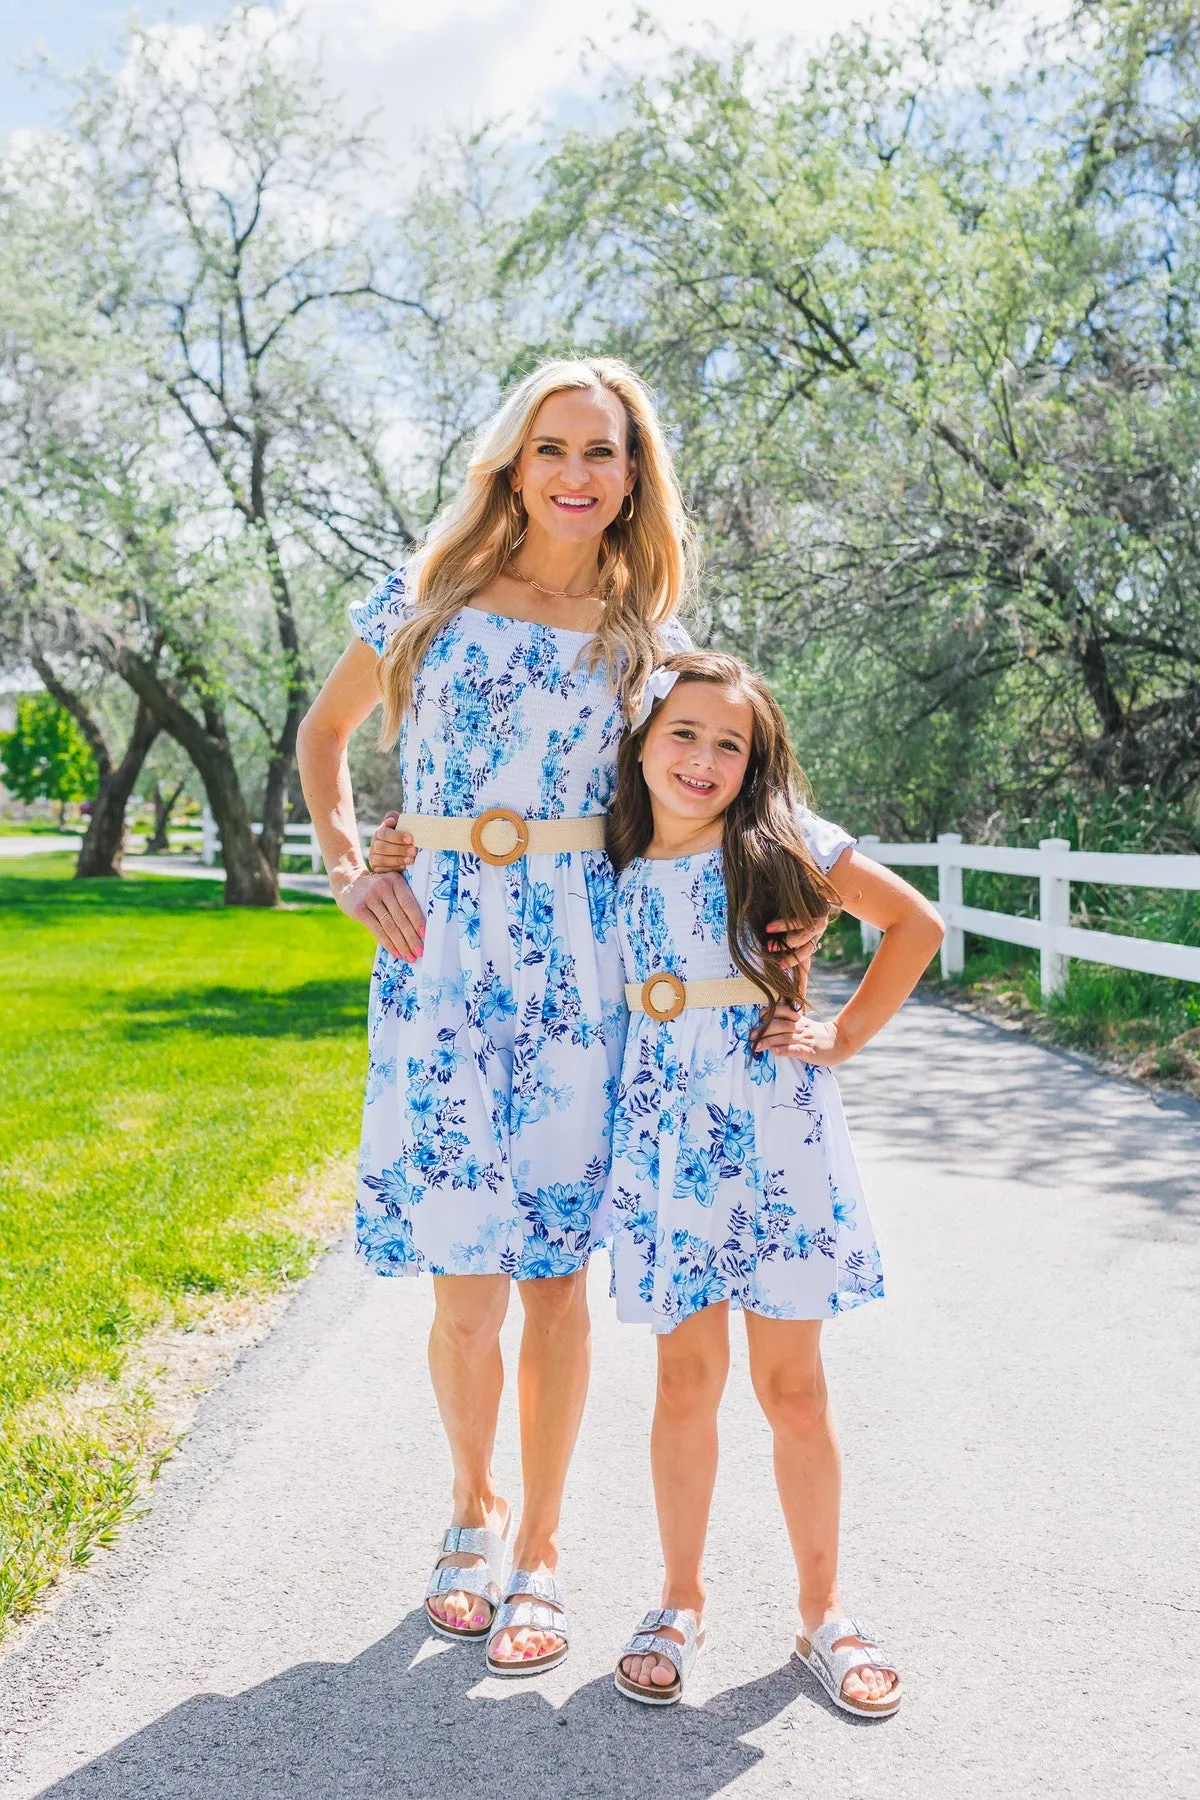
418 63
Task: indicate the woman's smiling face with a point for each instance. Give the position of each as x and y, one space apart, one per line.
574 469
696 751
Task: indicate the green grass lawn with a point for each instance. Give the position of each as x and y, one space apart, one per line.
168 1066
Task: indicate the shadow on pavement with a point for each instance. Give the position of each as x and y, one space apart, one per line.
1045 1118
386 1725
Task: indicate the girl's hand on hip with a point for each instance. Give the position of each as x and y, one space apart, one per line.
794 942
391 849
386 905
818 1041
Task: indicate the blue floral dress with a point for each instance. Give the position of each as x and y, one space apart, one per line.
732 1173
494 1059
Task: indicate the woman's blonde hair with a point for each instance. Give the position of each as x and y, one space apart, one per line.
647 565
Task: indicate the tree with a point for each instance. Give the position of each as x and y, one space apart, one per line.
115 773
46 756
935 371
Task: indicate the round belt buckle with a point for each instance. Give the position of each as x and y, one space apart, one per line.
499 836
664 997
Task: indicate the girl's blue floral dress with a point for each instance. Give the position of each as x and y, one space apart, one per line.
494 1058
732 1173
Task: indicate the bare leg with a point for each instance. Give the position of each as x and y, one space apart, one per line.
467 1373
693 1362
552 1380
789 1380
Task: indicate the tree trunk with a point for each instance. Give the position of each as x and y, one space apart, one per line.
104 841
249 878
163 808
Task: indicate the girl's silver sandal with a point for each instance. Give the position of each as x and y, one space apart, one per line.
647 1641
544 1609
485 1582
831 1666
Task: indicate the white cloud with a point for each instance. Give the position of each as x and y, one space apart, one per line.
468 60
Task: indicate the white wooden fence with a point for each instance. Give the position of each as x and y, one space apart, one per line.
1055 865
300 840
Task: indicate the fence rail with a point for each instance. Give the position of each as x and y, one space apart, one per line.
300 839
1055 866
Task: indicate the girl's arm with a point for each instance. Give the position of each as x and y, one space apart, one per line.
384 903
912 930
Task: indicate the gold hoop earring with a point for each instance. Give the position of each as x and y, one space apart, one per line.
514 504
627 516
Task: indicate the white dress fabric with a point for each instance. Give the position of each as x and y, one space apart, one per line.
493 1060
732 1177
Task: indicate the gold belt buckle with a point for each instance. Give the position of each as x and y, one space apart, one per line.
664 997
499 836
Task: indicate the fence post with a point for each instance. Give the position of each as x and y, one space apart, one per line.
1055 909
209 839
949 895
315 849
869 844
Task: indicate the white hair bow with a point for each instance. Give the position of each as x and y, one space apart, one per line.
657 688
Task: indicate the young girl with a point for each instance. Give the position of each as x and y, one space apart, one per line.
733 1182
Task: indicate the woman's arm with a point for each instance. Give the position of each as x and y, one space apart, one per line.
384 903
912 930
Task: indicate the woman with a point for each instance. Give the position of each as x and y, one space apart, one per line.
509 657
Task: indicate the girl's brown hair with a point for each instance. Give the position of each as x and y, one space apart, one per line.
647 562
769 869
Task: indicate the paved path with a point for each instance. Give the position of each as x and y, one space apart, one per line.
38 844
1020 1425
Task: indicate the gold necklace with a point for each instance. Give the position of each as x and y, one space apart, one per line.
554 593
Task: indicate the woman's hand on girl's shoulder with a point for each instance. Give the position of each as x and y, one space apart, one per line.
391 849
793 1034
388 908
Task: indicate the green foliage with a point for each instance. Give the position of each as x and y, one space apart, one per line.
46 756
931 354
168 1063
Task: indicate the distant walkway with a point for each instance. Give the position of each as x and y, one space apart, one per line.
1023 1472
37 843
177 863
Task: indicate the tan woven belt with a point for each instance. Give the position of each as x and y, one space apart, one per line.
499 836
664 996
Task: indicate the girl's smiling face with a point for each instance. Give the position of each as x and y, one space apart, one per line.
695 752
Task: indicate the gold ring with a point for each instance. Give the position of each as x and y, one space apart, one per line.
664 997
499 836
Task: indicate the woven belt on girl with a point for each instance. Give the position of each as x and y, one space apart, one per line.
500 836
664 996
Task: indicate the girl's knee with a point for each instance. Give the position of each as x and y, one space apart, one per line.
691 1385
795 1401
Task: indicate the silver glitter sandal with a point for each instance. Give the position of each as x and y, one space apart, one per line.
831 1666
485 1582
545 1610
647 1641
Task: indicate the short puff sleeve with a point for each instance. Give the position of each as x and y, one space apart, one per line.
825 840
385 608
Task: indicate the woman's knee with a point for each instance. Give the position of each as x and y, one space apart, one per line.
556 1300
469 1310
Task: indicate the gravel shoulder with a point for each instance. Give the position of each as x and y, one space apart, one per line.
1022 1482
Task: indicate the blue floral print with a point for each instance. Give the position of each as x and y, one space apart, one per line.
494 1059
732 1173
